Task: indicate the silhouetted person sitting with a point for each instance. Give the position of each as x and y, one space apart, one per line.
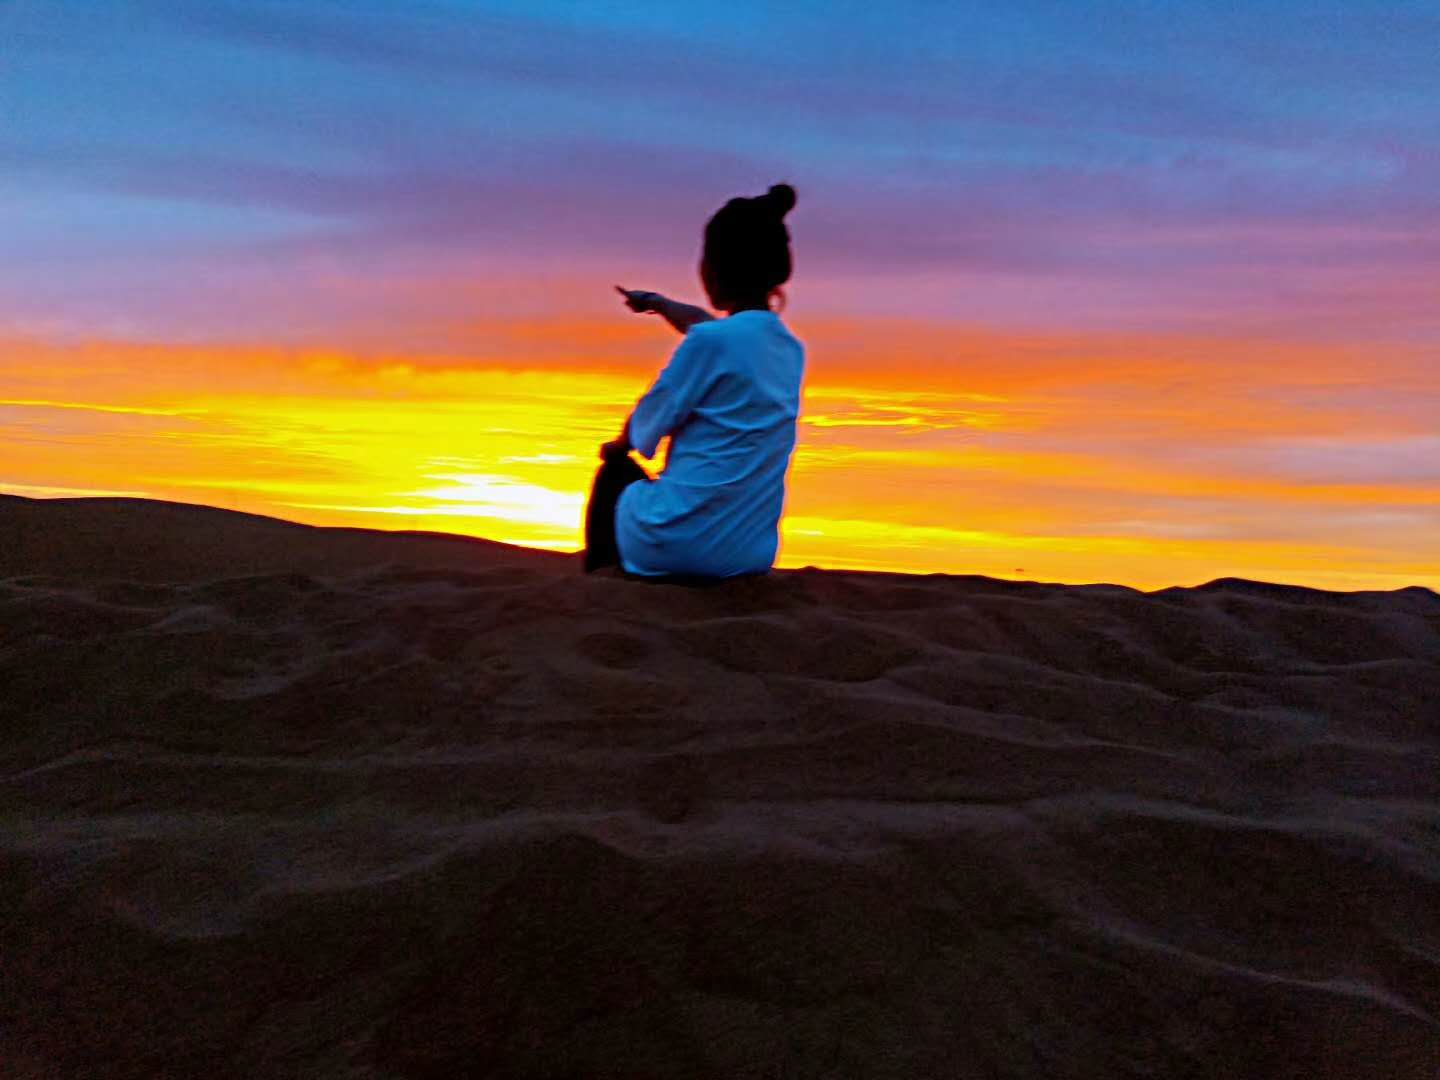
728 399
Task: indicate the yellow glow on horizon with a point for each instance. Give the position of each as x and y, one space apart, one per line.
90 407
1028 477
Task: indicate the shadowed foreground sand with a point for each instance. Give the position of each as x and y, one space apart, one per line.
286 802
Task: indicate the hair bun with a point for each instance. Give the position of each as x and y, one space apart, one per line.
781 198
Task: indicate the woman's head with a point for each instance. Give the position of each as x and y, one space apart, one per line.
746 257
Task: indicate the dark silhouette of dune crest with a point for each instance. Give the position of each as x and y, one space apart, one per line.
1299 592
152 540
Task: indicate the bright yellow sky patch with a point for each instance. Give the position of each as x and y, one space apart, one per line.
1101 477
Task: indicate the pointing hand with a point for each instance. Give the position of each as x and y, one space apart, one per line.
639 300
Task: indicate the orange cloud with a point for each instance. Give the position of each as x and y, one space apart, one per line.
1144 462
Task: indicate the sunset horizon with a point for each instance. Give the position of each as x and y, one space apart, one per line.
506 453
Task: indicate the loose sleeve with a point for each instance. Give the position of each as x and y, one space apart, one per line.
669 402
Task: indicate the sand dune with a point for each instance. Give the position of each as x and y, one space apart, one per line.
144 540
289 802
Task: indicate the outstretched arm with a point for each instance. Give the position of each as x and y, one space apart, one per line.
680 316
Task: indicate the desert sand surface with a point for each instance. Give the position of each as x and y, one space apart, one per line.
289 802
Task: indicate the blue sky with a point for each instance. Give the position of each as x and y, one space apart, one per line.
1144 166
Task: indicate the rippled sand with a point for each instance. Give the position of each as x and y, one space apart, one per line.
287 802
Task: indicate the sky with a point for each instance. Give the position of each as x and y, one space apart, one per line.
1135 292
